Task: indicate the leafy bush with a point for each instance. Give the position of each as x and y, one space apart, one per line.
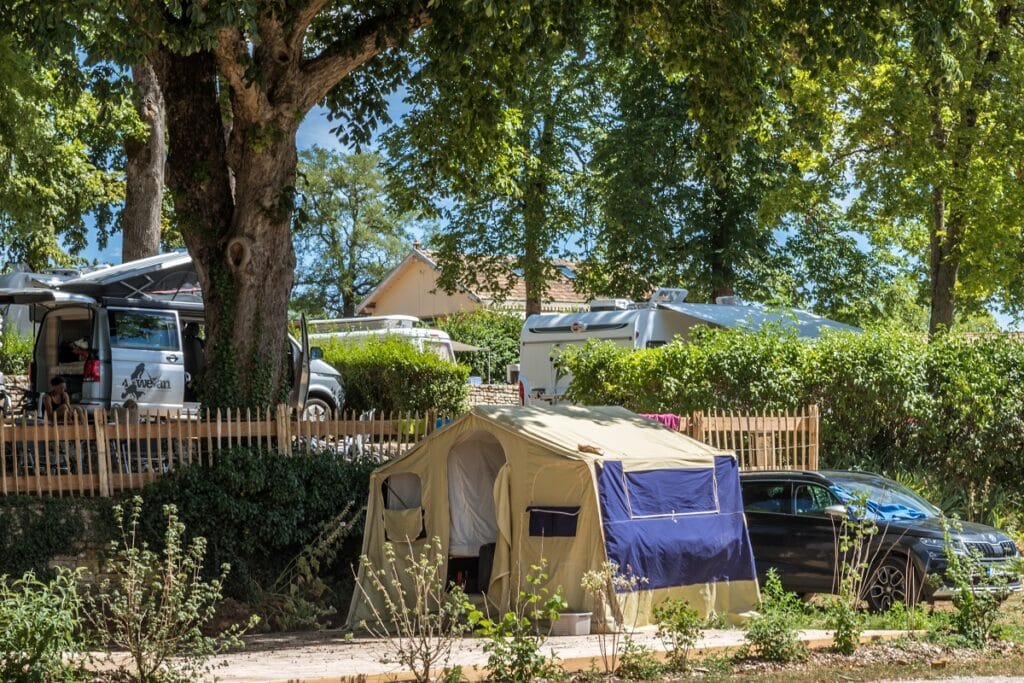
496 331
951 411
39 626
772 634
154 605
391 375
34 530
679 627
514 641
258 509
15 352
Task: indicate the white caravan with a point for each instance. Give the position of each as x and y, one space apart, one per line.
643 325
382 326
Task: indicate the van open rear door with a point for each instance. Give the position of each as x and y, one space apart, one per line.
300 388
41 299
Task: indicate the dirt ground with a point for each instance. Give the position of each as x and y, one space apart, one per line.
331 657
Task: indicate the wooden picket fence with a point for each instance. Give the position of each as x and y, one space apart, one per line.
761 441
113 451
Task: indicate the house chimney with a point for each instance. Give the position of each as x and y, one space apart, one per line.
415 244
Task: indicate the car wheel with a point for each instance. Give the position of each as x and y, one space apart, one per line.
889 584
317 410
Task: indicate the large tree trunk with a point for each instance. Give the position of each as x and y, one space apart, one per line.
240 240
144 173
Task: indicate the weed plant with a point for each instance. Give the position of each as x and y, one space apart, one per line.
415 615
602 585
679 627
514 642
154 605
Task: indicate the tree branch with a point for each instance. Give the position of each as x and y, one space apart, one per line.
345 55
231 54
303 18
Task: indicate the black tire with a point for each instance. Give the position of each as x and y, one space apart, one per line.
317 410
889 583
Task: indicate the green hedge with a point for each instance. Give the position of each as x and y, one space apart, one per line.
392 375
257 509
15 352
35 530
496 331
945 416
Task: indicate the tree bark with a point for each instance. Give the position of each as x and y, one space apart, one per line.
144 172
240 240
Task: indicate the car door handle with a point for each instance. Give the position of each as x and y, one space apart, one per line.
173 358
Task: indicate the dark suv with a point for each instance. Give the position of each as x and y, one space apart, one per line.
794 518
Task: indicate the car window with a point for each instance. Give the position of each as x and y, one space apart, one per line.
767 496
151 330
811 499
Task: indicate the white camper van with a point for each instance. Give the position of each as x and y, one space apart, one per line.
643 325
381 326
126 333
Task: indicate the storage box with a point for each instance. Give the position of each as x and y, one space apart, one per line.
571 624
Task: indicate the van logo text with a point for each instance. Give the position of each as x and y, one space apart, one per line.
140 382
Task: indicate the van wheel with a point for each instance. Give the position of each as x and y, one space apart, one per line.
890 583
317 410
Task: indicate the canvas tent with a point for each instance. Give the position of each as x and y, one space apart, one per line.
504 486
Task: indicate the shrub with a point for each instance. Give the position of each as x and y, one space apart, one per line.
513 642
495 331
772 634
153 606
258 509
974 612
679 627
391 375
39 626
637 662
419 620
15 352
33 531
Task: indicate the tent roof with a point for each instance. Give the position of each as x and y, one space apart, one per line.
613 432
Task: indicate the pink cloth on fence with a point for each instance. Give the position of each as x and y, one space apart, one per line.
670 420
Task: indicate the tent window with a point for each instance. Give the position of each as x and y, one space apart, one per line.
402 491
668 493
550 520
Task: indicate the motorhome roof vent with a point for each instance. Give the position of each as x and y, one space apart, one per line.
610 304
668 295
728 301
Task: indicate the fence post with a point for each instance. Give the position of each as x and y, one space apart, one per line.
3 455
99 421
697 425
284 436
812 451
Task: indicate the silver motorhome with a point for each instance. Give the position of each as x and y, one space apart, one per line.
122 334
645 325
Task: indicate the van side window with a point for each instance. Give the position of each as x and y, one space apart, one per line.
152 330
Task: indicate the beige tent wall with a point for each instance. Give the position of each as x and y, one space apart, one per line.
542 469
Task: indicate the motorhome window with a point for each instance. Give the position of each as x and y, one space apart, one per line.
152 330
402 491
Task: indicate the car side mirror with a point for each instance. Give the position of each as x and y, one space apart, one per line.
837 512
316 353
